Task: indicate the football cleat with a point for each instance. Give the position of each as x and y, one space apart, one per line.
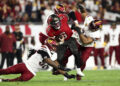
101 68
65 78
80 73
95 68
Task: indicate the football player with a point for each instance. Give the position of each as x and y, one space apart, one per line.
57 28
91 29
39 59
114 36
84 39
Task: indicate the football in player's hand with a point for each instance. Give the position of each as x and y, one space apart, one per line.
58 38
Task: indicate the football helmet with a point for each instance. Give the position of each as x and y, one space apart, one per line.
54 21
95 25
51 44
59 9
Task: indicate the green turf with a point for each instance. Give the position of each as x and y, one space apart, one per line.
92 78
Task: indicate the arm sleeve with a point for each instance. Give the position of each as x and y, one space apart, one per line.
72 16
43 54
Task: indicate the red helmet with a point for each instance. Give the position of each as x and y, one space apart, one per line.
54 21
95 25
51 43
59 9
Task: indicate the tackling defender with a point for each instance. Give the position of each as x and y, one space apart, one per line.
39 59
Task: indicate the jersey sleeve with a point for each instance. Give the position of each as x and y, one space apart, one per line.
44 54
49 32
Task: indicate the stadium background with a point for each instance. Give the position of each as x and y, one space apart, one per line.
30 31
31 14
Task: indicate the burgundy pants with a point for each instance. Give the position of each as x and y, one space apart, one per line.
99 52
117 53
17 69
85 53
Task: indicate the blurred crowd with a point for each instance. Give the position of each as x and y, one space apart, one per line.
36 11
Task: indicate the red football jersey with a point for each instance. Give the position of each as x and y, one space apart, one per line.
64 28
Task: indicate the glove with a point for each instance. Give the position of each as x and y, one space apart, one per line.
31 52
63 68
76 28
69 76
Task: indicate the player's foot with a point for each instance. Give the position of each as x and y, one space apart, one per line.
101 68
95 68
109 68
117 66
78 77
80 73
65 78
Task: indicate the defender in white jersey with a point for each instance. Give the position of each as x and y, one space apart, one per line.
88 35
114 36
99 50
38 60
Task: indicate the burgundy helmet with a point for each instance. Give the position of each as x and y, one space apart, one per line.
51 43
95 25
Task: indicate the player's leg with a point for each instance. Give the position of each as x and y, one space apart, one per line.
11 59
24 77
102 58
19 55
85 55
8 57
3 60
25 73
78 60
110 52
95 58
74 50
15 69
61 49
117 54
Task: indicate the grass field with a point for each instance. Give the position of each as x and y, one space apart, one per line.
92 78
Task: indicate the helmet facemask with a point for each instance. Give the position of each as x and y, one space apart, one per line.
54 22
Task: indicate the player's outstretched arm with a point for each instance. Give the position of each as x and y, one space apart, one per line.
85 39
57 66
